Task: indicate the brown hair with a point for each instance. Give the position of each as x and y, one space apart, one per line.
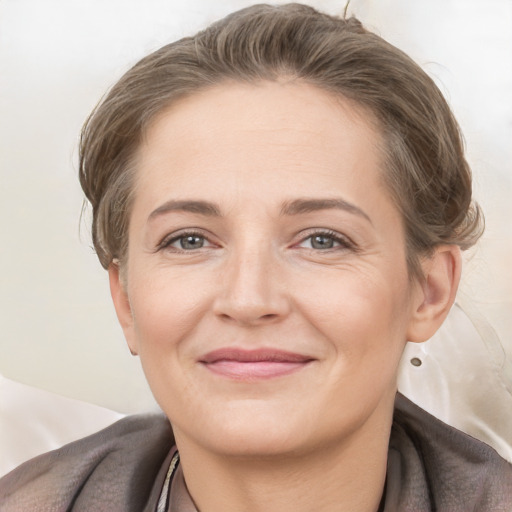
426 172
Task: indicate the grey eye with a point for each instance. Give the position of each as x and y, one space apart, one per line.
190 242
186 241
322 242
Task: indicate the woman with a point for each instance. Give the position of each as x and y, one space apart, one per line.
280 202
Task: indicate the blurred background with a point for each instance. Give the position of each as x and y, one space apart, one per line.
58 329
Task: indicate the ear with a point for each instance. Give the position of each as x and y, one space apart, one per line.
435 295
122 306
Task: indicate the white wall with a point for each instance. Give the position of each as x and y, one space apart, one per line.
57 326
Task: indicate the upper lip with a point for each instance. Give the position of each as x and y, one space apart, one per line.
254 356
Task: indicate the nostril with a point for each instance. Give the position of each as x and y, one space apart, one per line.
249 305
255 318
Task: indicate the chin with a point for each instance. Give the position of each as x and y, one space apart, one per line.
248 441
247 430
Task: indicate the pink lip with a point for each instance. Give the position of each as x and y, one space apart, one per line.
261 363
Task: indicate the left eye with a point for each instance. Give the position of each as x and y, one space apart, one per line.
323 241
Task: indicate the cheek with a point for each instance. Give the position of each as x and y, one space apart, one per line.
166 307
364 315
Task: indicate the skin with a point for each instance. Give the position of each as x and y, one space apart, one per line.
256 276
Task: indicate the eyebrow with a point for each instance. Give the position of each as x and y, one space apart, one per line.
306 205
295 207
201 207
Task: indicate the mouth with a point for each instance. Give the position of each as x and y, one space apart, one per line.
261 363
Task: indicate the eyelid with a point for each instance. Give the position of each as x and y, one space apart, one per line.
170 238
344 241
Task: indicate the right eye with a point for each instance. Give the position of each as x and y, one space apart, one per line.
186 242
189 242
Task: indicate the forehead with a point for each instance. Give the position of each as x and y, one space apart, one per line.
260 136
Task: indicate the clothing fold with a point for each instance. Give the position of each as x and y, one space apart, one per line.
123 468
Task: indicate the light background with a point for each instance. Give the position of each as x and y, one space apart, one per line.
57 57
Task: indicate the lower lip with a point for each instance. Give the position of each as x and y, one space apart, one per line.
254 369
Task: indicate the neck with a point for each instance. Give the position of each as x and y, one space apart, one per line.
345 477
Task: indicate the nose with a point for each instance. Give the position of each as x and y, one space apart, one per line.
252 290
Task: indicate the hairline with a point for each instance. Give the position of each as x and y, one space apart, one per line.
364 113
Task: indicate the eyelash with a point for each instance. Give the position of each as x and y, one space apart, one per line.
167 242
344 242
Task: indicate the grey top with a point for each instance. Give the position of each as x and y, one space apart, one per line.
123 468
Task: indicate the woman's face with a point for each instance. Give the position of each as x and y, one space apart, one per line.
267 291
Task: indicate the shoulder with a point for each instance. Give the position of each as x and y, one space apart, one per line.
93 473
437 467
